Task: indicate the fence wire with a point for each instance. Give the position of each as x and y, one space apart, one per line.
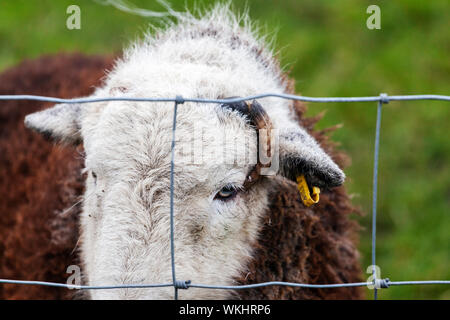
377 283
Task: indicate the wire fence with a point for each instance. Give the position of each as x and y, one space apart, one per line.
375 282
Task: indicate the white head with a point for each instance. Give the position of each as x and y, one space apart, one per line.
125 222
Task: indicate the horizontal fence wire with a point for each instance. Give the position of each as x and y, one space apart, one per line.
382 97
207 286
178 284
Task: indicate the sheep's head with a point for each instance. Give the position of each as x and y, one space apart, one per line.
220 185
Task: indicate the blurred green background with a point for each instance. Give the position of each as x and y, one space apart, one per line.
330 52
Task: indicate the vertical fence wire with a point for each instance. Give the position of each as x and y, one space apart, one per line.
374 195
172 164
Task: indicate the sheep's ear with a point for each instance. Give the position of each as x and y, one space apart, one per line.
61 123
300 154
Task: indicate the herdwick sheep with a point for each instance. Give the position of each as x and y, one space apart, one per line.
233 224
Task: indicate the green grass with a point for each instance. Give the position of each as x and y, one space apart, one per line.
330 52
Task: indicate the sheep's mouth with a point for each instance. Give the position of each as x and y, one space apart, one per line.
308 193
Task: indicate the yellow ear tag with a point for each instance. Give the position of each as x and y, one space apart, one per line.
307 198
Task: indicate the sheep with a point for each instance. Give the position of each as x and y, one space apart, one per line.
100 198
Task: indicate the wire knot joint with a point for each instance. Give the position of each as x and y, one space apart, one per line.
382 283
181 284
384 98
179 100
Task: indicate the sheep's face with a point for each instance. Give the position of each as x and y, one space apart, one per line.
126 216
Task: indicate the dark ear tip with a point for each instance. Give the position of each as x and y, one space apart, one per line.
322 176
337 178
330 177
327 179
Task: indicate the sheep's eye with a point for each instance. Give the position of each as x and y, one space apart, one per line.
94 175
226 193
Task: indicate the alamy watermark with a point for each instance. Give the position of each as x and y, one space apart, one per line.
224 147
374 20
74 19
74 280
375 274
